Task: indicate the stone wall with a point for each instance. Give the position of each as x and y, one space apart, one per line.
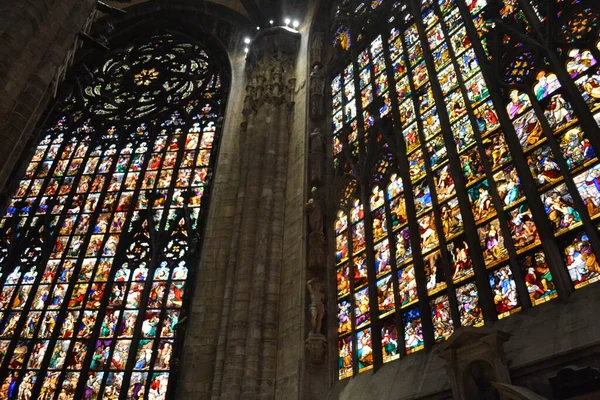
208 345
36 36
283 332
217 342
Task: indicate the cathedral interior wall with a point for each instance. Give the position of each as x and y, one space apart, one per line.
36 37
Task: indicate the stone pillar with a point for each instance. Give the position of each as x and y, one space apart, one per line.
246 354
315 372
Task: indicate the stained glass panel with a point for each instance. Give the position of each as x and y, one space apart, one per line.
389 342
413 331
443 326
504 290
538 278
87 298
468 305
581 261
492 167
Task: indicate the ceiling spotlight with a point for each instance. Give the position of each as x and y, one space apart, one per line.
246 50
296 24
287 21
271 22
247 40
258 28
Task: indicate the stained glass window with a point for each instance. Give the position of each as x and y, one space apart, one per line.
100 236
488 201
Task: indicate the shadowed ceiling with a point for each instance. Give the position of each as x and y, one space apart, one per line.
258 12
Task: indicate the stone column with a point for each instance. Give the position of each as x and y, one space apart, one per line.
246 362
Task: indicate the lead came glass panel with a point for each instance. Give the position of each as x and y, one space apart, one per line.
88 308
488 172
443 326
389 342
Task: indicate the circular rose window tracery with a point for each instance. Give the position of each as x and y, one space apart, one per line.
147 78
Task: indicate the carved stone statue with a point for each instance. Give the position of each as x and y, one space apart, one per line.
317 141
316 344
317 157
316 237
314 209
316 47
317 93
317 304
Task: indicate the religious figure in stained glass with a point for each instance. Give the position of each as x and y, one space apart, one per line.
495 167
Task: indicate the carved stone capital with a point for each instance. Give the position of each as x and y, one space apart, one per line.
270 73
277 45
270 69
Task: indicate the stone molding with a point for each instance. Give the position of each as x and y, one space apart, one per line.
475 358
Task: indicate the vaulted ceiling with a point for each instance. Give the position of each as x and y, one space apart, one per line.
258 12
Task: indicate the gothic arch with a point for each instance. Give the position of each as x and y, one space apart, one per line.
118 183
467 114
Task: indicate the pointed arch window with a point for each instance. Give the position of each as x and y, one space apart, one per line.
470 129
100 240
